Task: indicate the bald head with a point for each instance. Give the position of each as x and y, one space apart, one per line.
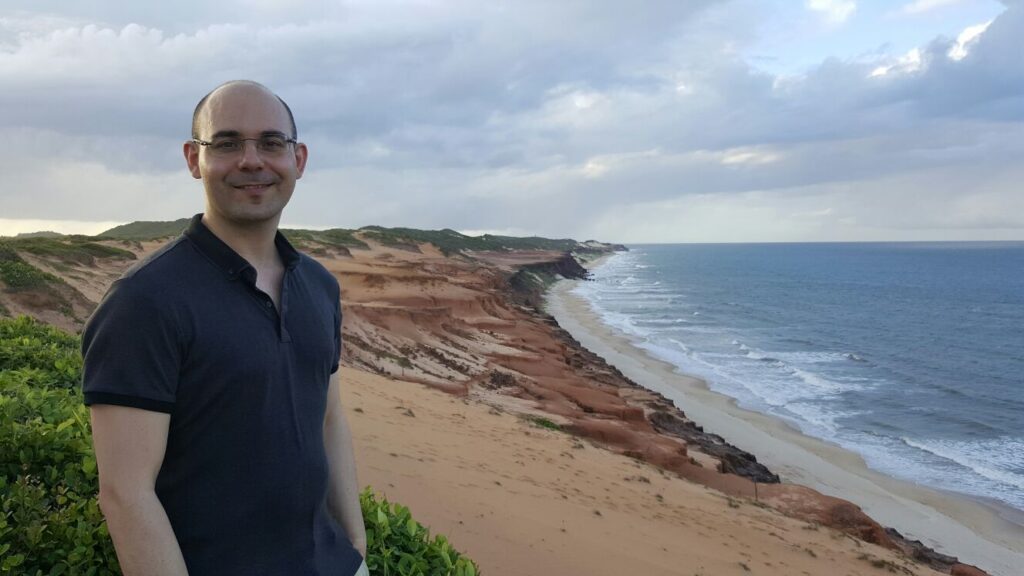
197 114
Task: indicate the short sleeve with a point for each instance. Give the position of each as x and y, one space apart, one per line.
132 352
337 336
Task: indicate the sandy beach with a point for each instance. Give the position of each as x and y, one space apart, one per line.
955 525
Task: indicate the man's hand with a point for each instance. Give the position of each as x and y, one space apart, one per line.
360 545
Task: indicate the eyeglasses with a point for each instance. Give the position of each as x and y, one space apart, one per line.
269 145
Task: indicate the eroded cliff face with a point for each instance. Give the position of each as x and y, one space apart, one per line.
468 322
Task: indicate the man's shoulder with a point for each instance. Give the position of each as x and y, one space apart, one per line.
165 270
146 293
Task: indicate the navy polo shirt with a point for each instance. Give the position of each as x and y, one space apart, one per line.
244 477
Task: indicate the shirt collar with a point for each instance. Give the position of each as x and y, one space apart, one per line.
227 259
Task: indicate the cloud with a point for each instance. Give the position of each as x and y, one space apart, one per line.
922 6
965 39
906 64
833 11
557 119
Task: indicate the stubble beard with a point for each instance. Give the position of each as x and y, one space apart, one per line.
245 213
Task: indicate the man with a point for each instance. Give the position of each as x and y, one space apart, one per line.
211 376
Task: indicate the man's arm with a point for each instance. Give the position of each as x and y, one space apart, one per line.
130 446
343 486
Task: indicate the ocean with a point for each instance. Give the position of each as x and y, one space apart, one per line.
909 354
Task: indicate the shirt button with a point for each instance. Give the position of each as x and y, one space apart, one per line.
269 304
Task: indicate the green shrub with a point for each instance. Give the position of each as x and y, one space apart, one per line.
22 276
451 242
7 253
50 522
26 344
542 422
143 230
398 545
332 237
70 249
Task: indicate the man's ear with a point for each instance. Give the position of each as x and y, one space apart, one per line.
191 150
301 154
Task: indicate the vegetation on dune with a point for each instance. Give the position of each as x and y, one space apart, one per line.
449 241
69 249
147 230
19 275
22 276
542 422
40 234
332 237
529 243
50 522
7 252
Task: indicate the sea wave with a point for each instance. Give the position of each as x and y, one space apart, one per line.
995 459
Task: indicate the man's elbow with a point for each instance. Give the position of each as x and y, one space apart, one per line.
115 499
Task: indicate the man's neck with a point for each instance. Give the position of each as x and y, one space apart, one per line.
254 242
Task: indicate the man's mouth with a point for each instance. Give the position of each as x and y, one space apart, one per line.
259 186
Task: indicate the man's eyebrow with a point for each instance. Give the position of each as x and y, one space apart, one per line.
236 133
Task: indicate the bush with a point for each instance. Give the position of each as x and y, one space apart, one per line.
28 344
70 249
22 276
50 522
398 545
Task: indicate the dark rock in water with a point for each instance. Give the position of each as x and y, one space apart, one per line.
734 460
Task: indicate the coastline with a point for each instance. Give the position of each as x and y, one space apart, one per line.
976 532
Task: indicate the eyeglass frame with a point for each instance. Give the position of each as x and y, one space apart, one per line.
287 140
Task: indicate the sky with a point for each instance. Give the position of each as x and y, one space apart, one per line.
659 121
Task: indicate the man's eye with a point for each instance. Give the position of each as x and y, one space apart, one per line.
226 145
271 144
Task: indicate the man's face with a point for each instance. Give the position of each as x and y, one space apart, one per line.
250 186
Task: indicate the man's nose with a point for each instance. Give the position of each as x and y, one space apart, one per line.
250 158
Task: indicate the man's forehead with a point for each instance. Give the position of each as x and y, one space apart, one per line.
240 108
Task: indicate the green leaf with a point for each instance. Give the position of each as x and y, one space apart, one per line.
13 561
411 527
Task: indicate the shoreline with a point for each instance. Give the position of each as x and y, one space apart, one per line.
955 524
